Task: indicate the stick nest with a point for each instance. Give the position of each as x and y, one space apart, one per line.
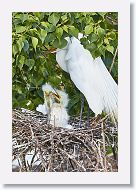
40 147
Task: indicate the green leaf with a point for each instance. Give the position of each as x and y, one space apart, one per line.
102 14
89 21
13 72
45 24
30 63
109 150
14 49
111 35
21 62
26 45
51 28
93 38
73 101
65 28
88 29
59 32
73 31
42 35
96 53
39 15
60 43
106 41
20 44
20 29
13 60
91 47
23 17
110 48
34 42
54 18
84 41
40 93
100 32
99 43
102 50
50 38
64 17
33 31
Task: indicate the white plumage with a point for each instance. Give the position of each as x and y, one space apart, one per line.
42 108
55 105
90 76
59 116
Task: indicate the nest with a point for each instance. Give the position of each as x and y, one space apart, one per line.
40 147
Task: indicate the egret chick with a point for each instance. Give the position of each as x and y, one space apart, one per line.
44 108
58 112
55 105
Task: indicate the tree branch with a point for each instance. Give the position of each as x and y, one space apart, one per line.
113 61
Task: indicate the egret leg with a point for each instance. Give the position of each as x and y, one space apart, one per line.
81 111
88 116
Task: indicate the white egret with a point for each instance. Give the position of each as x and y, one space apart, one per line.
55 105
90 76
47 91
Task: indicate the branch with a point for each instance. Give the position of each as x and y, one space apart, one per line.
113 61
111 21
104 147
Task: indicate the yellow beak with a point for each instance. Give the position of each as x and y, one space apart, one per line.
57 97
47 97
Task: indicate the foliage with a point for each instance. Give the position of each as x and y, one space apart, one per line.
35 34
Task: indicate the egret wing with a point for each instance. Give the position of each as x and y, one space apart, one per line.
107 88
81 69
90 76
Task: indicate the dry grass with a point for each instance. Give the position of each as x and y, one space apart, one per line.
52 149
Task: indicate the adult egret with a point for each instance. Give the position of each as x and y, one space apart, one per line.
55 105
90 76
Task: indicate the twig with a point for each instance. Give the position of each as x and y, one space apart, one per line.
73 159
104 147
52 148
113 61
59 149
111 21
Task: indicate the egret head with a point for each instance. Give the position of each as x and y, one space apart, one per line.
52 96
59 97
47 91
56 97
62 98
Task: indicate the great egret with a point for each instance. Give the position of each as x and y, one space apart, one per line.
90 76
55 105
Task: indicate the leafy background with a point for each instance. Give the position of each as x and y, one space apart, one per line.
35 34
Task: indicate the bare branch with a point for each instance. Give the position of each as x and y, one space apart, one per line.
113 61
